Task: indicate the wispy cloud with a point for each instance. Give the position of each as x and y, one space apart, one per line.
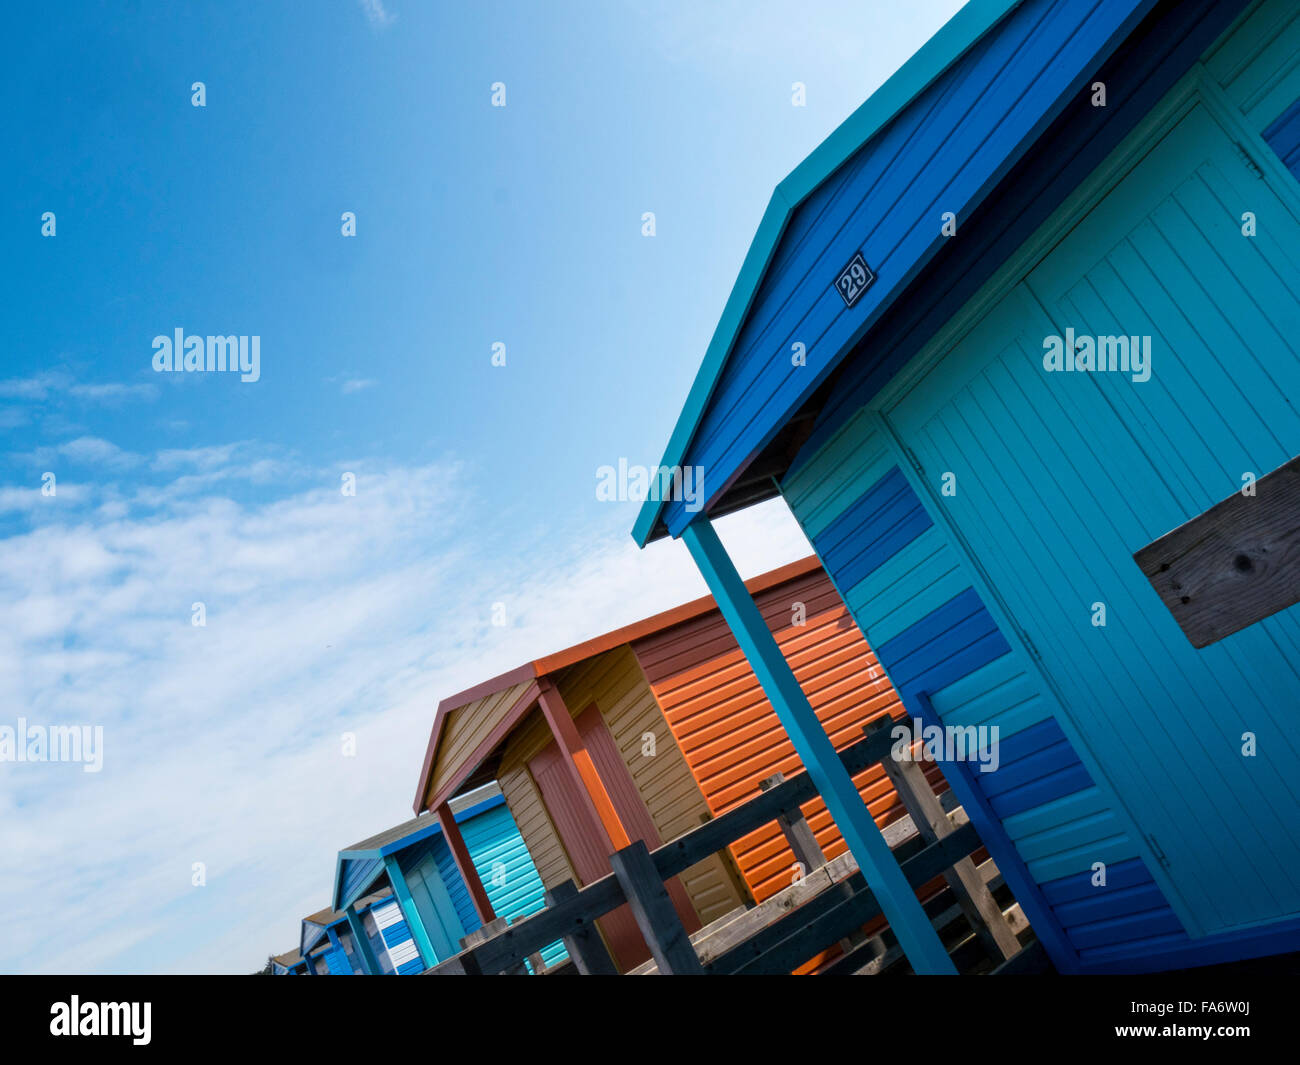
376 13
356 384
113 393
52 383
325 613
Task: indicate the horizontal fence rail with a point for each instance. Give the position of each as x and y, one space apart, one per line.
837 913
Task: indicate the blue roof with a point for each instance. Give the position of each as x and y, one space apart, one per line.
956 36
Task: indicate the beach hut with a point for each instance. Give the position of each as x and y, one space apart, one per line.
290 963
330 944
424 862
645 732
1019 345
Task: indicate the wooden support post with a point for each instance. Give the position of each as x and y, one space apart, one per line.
798 833
925 951
574 754
807 851
369 963
586 949
655 914
465 864
464 964
972 894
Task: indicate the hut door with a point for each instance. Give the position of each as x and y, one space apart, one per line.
629 805
587 846
1061 476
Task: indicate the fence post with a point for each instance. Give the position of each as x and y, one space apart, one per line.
654 911
973 895
808 853
585 947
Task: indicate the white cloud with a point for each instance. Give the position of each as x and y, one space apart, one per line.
376 13
356 384
38 386
325 614
50 384
113 393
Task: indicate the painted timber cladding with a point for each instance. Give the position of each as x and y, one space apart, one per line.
978 117
909 591
509 876
613 681
468 726
730 735
1138 74
1283 136
899 570
396 935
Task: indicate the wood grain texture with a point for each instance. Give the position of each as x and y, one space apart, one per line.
1234 565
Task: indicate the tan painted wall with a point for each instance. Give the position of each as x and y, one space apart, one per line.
466 728
615 683
526 806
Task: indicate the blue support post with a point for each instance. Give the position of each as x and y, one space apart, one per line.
369 963
897 900
422 943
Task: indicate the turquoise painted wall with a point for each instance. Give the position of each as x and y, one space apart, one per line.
1124 742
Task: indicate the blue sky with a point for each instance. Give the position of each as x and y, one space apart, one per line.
475 483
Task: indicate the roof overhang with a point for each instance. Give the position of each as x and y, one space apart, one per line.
549 667
779 412
929 62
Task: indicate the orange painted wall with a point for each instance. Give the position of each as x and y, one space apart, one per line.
731 736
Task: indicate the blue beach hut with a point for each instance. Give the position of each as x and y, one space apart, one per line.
330 945
449 876
1019 346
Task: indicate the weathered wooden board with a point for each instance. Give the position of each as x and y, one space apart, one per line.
655 914
1234 565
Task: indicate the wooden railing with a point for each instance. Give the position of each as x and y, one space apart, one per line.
780 944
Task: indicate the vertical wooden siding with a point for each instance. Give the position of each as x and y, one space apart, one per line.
468 726
615 683
898 586
732 739
979 114
526 805
1055 816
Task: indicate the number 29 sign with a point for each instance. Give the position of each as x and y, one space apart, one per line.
854 280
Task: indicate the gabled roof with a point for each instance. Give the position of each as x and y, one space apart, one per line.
315 926
953 39
526 675
359 867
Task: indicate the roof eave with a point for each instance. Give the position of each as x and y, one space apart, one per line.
953 39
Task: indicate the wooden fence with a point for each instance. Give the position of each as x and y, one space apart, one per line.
831 904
